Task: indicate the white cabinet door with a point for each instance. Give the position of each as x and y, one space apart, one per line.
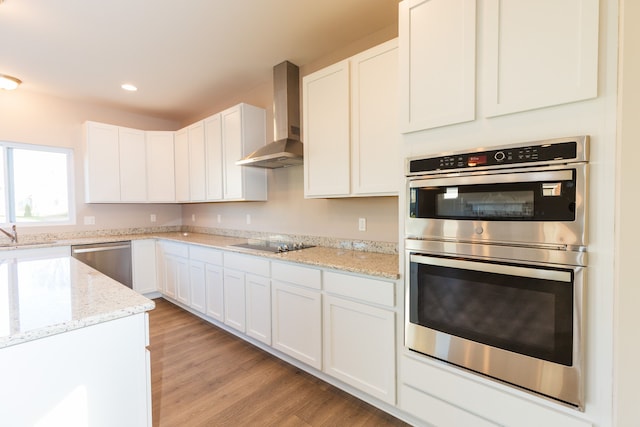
326 131
102 163
350 325
375 137
182 165
258 307
133 167
213 152
144 269
234 299
437 63
197 284
296 322
160 167
182 279
215 291
197 176
539 53
243 131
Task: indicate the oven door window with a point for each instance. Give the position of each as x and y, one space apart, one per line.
505 197
523 309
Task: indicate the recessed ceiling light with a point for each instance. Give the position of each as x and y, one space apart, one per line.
129 87
8 82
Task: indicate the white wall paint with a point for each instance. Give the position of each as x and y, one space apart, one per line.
627 282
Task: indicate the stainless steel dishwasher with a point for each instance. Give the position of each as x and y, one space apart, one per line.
112 259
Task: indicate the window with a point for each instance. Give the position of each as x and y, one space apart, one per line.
35 186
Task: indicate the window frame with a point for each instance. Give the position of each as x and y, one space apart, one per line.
7 161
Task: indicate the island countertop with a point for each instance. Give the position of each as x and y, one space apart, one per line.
40 297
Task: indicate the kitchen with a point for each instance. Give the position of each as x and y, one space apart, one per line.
32 117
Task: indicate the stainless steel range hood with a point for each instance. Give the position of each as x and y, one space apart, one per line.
286 150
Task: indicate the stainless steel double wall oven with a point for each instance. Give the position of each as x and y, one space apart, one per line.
495 244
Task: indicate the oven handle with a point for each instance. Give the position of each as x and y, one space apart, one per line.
544 176
535 273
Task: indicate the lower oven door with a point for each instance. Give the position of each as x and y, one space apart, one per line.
517 322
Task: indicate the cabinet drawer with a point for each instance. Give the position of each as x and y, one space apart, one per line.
206 255
363 288
303 276
247 263
176 249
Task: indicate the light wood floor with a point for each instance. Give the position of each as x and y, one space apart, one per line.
204 376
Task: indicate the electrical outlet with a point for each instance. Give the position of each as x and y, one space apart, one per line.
152 217
219 218
89 220
248 218
193 217
362 224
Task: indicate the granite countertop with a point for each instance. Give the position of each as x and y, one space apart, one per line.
376 264
40 297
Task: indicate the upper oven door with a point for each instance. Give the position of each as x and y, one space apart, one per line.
525 206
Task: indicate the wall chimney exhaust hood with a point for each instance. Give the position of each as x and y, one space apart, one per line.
286 150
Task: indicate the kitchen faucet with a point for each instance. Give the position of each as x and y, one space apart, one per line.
13 235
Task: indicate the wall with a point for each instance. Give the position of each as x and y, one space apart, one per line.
46 120
627 289
286 210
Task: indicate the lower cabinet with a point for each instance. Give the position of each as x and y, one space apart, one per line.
143 255
297 312
205 280
174 270
258 307
359 346
246 288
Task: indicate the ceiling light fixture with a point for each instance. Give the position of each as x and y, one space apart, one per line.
129 87
8 82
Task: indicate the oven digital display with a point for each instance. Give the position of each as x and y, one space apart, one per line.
477 160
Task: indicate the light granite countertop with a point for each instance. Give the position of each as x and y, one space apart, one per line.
40 297
377 264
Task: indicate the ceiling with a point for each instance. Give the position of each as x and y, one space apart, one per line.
180 54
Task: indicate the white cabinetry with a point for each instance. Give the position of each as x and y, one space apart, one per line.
102 163
143 253
213 161
437 63
246 276
243 131
297 312
350 126
174 270
526 68
197 178
519 67
161 185
133 167
359 314
128 165
205 276
181 141
93 376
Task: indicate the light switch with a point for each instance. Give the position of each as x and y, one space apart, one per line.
362 224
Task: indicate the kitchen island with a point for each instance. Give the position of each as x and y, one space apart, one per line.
72 345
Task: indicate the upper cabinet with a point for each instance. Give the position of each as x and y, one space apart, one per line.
532 54
437 63
350 128
193 164
243 132
115 165
229 136
161 186
539 53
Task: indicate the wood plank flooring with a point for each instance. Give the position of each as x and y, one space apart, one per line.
204 376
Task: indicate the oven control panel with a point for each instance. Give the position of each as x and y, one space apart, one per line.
516 155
